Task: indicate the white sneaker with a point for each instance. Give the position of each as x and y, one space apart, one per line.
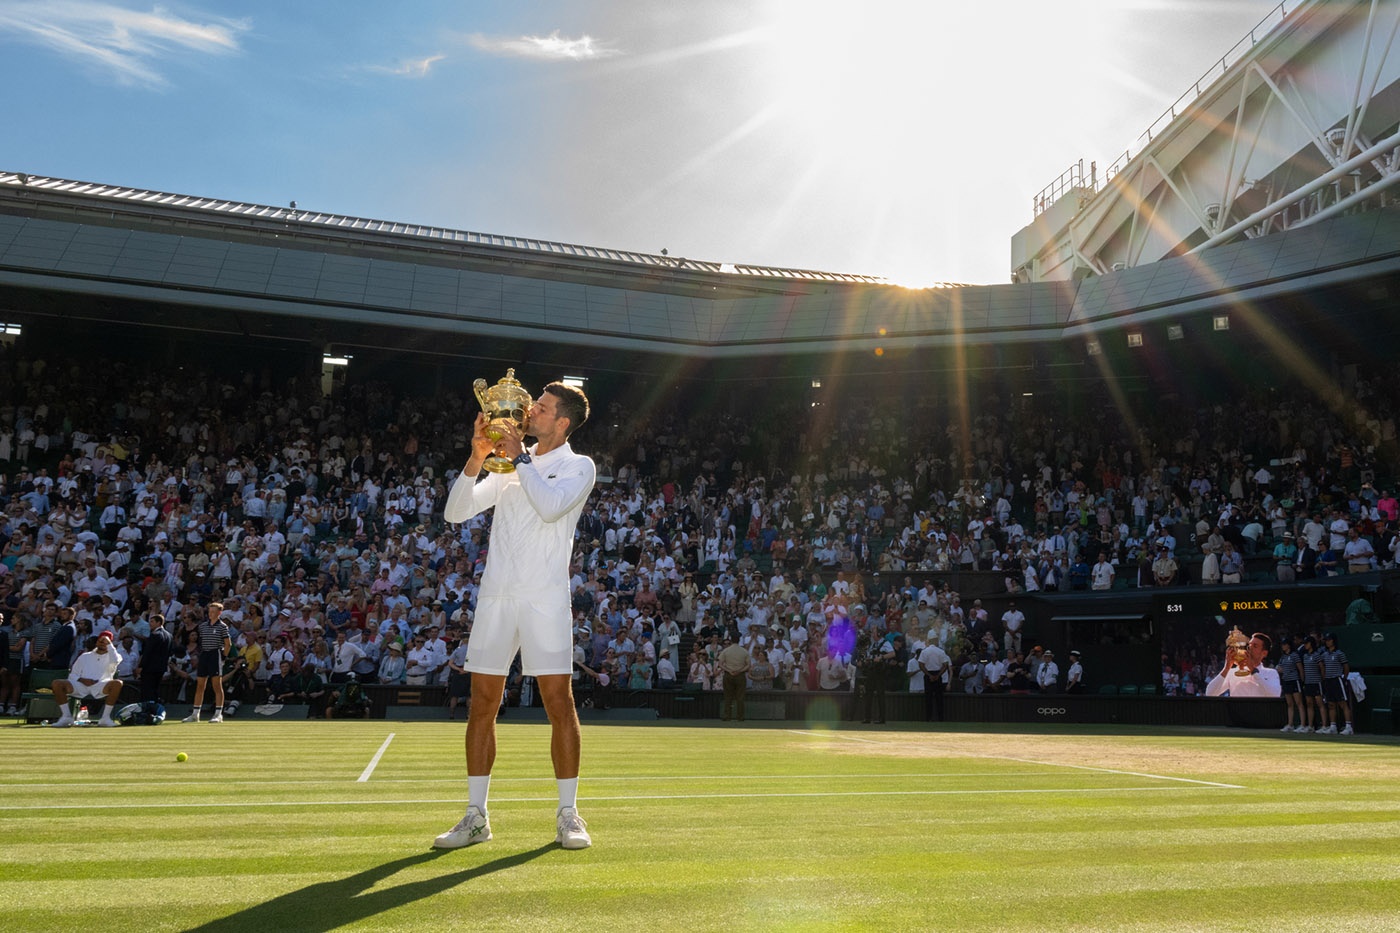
192 717
1286 729
63 722
218 716
471 829
106 723
1347 730
1328 730
573 831
1305 729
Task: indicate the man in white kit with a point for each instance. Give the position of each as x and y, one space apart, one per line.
1248 677
524 603
93 676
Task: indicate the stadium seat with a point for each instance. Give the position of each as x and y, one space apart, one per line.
39 702
1109 690
1128 690
1147 690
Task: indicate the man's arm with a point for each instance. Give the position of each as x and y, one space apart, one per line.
465 500
553 500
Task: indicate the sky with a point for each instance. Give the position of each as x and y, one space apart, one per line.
899 139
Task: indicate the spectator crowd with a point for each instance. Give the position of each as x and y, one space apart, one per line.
824 544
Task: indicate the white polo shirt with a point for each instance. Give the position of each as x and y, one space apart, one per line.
532 535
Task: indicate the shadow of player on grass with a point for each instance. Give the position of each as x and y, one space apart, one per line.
329 905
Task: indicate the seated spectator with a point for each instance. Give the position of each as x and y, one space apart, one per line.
93 677
392 667
348 700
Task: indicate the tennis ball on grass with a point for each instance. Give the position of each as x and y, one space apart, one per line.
182 757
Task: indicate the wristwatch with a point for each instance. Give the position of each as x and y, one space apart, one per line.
523 458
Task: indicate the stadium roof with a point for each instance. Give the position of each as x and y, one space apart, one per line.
127 251
174 203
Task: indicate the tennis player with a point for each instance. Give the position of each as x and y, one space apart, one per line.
523 604
1248 677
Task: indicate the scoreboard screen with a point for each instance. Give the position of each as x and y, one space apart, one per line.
1194 623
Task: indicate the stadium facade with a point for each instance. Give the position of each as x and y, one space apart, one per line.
1257 203
1251 232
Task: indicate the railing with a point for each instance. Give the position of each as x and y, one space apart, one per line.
1271 20
1070 178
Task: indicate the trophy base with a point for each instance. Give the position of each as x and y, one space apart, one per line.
496 464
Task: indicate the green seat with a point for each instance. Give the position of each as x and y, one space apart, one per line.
1128 690
1147 690
1109 690
41 679
39 705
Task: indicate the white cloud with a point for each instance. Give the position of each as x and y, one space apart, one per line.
410 67
125 44
552 47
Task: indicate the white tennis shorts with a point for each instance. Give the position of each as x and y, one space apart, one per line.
90 692
503 625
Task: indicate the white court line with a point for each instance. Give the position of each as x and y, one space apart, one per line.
835 735
1158 777
1032 761
627 798
374 762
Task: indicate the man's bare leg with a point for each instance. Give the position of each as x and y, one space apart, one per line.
557 692
481 722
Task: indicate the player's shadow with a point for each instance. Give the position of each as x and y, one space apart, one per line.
329 905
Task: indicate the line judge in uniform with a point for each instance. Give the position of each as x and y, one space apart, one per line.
523 603
1248 677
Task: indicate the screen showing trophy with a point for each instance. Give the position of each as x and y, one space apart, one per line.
507 402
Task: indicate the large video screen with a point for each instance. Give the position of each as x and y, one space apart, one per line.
1194 625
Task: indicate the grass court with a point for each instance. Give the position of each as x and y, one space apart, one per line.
316 826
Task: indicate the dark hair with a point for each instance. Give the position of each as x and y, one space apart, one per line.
1268 642
573 404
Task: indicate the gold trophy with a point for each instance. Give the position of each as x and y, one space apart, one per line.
1237 651
506 401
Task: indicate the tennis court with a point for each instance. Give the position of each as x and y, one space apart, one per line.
286 825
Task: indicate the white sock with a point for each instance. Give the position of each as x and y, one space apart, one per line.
478 786
568 792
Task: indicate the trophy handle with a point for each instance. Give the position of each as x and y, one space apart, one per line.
479 387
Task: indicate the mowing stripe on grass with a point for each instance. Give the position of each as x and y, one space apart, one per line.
1032 761
590 778
627 798
373 762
